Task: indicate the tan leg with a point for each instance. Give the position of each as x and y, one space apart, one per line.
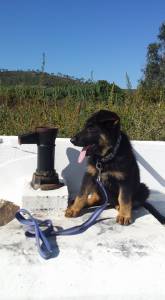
80 202
125 208
75 208
94 199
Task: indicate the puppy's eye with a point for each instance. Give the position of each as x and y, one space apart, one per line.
90 128
93 131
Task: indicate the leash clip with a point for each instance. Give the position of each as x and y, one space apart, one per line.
99 167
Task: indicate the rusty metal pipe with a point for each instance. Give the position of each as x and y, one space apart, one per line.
45 176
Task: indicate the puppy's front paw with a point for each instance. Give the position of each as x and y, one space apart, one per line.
71 212
123 220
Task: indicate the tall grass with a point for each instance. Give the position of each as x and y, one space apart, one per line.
142 120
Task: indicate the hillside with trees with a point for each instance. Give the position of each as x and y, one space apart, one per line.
17 85
35 78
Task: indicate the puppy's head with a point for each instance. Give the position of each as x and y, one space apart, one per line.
99 134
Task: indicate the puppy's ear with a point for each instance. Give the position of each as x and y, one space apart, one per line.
111 118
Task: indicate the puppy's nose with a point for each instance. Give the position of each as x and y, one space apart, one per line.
73 140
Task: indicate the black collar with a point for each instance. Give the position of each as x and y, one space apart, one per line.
111 155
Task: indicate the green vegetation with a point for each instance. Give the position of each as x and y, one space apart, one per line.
140 119
152 86
36 98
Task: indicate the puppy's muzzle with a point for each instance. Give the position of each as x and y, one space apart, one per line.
73 140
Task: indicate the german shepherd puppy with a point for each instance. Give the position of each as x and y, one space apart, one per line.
110 155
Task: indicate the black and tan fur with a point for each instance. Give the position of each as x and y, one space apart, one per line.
120 175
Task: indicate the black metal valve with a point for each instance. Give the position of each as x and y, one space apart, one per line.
45 176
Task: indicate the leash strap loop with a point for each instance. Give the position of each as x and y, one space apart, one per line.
32 226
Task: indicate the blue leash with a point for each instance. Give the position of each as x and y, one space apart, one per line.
33 225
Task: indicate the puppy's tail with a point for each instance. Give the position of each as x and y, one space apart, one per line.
141 195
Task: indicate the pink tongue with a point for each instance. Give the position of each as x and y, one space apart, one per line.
82 154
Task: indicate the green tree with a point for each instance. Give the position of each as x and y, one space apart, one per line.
154 71
161 37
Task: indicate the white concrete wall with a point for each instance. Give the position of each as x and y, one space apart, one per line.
17 164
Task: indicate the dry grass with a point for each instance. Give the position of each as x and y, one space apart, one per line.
140 119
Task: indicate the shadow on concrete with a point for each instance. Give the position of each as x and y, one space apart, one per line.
137 212
156 205
150 169
54 247
73 173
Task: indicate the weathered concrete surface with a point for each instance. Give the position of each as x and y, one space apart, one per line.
37 199
108 261
7 211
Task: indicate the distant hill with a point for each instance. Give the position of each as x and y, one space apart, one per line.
35 78
38 78
37 84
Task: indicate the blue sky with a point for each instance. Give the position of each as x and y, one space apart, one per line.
78 36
